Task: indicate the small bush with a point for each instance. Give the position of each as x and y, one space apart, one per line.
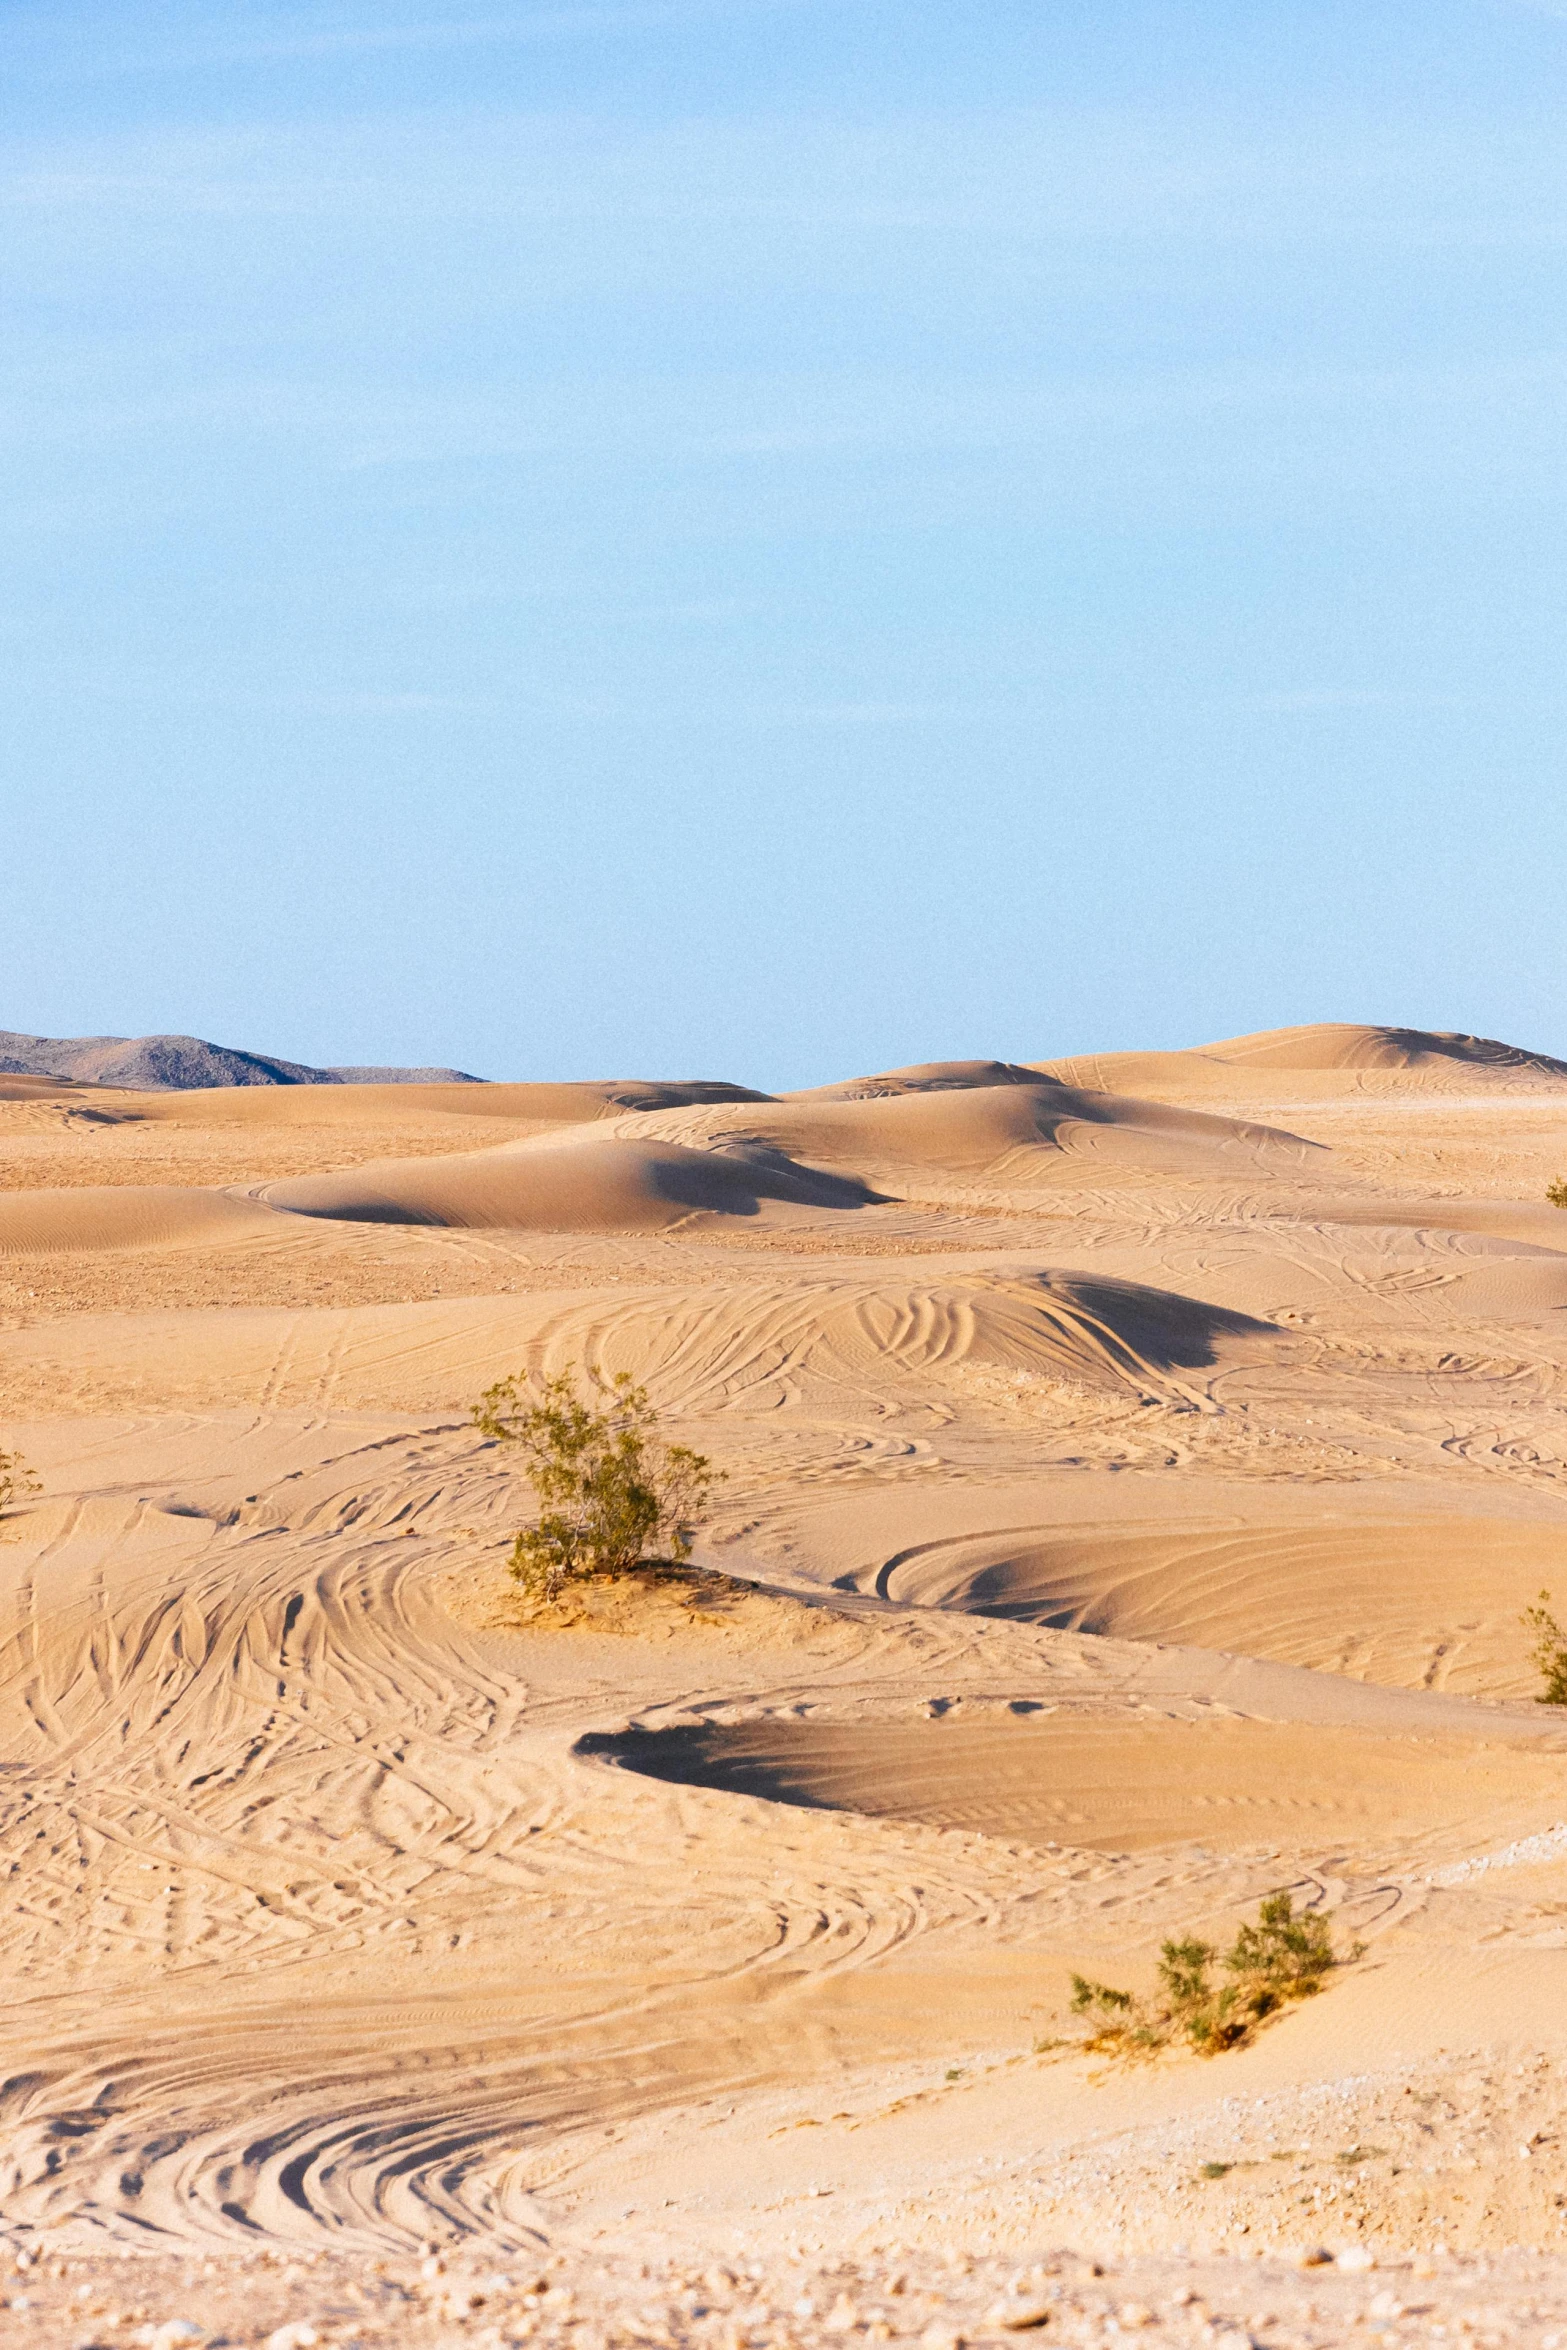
1556 1192
17 1482
1279 1958
613 1495
1550 1650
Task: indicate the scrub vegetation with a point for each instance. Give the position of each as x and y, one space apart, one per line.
1549 1651
612 1493
1278 1959
17 1482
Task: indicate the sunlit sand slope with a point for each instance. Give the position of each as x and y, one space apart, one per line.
935 1141
1412 1603
1011 1133
830 1342
1107 1787
352 1109
1340 1044
1325 1060
620 1184
40 1223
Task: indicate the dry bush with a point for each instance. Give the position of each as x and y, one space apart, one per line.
17 1482
1280 1958
1550 1650
1556 1192
613 1494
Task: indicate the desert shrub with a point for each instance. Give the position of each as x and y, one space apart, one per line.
1549 1652
1556 1192
612 1493
1282 1956
17 1482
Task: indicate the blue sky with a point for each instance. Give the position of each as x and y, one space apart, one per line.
772 538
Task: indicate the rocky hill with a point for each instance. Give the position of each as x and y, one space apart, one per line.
182 1063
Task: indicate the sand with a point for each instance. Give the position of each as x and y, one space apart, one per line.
1131 1493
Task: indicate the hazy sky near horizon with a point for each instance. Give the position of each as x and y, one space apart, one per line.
772 538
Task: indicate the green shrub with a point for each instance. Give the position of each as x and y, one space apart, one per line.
17 1482
1280 1958
613 1495
1556 1192
1550 1650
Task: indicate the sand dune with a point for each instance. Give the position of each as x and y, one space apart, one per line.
749 1161
1015 1133
923 1077
1322 1061
362 1105
20 1086
584 1184
758 1346
41 1223
1525 1229
1129 1507
1415 1603
694 1149
1339 1044
1096 1785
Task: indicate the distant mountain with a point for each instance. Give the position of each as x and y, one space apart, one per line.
185 1063
391 1077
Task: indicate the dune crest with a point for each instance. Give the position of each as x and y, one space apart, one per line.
922 1077
582 1183
1017 1133
1328 1059
1338 1044
360 1105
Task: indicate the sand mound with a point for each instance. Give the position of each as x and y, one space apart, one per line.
21 1086
365 1104
1407 1603
1016 1133
1514 1289
1321 1059
647 1093
1110 1787
1122 1326
1340 1044
587 1184
825 1344
759 1346
128 1216
923 1077
1531 1232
